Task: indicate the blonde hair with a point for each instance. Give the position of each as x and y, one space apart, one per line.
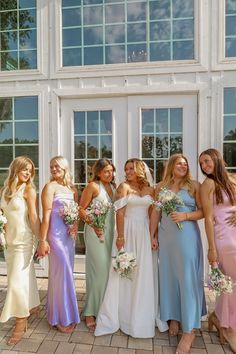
168 177
64 164
139 169
16 166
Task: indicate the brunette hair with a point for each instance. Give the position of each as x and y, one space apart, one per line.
99 166
64 164
17 165
168 177
220 176
139 169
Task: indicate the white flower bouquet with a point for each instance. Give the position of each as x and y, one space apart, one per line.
168 202
124 264
98 211
3 222
219 282
70 214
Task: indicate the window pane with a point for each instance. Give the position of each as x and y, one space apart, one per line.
72 57
162 120
230 27
71 17
71 37
183 29
27 18
183 50
80 172
230 47
9 40
93 35
31 151
26 108
79 122
160 51
6 133
230 100
160 31
3 176
92 122
9 61
148 146
26 133
115 54
147 120
106 146
28 39
162 146
115 34
106 122
92 15
93 55
183 8
176 144
230 154
136 32
136 11
160 9
230 6
5 109
176 122
114 13
6 153
230 128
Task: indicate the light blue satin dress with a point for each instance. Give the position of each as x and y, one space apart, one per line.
181 269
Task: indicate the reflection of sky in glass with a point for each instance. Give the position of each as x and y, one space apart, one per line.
230 100
79 122
147 120
26 132
176 119
71 37
26 108
9 40
141 32
229 127
230 6
230 29
92 122
28 39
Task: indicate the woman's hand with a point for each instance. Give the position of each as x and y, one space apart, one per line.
154 244
231 219
120 243
212 256
43 249
178 216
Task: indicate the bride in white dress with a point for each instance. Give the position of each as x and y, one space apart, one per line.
132 305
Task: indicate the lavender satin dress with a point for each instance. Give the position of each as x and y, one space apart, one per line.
62 308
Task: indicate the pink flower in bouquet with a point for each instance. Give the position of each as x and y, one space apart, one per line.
98 211
219 282
70 213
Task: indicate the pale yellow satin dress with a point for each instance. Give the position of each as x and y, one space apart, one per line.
22 292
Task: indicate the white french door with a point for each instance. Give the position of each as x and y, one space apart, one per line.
149 127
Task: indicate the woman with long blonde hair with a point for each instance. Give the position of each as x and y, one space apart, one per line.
18 203
55 240
182 300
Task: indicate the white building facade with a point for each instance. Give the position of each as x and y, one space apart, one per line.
116 78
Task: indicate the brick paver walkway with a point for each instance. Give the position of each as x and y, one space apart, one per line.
42 339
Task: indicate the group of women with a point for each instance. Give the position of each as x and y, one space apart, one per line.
175 300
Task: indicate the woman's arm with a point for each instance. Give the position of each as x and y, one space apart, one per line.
190 215
121 192
207 193
47 200
31 200
155 218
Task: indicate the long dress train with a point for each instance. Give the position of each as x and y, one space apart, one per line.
62 308
181 269
98 258
22 291
130 304
225 239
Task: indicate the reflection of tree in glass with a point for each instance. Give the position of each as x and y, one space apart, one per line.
231 135
80 178
5 110
92 151
9 21
147 146
106 152
161 147
175 145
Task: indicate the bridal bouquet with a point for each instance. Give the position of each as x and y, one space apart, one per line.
70 213
168 202
124 264
98 211
3 222
219 282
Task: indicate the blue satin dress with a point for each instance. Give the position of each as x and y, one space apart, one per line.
181 269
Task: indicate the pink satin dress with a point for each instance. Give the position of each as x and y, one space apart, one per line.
225 239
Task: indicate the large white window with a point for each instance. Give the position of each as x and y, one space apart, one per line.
125 31
18 35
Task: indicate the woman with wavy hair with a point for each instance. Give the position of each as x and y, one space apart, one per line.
182 300
98 254
218 193
129 305
18 203
55 240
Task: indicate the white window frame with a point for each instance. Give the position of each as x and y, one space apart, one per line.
219 61
44 147
42 49
199 64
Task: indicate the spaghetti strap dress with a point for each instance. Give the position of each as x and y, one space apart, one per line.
22 291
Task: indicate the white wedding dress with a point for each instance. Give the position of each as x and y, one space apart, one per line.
132 305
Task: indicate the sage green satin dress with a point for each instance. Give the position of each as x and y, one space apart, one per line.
98 258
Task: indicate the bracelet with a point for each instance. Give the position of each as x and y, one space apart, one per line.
186 216
87 219
120 238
